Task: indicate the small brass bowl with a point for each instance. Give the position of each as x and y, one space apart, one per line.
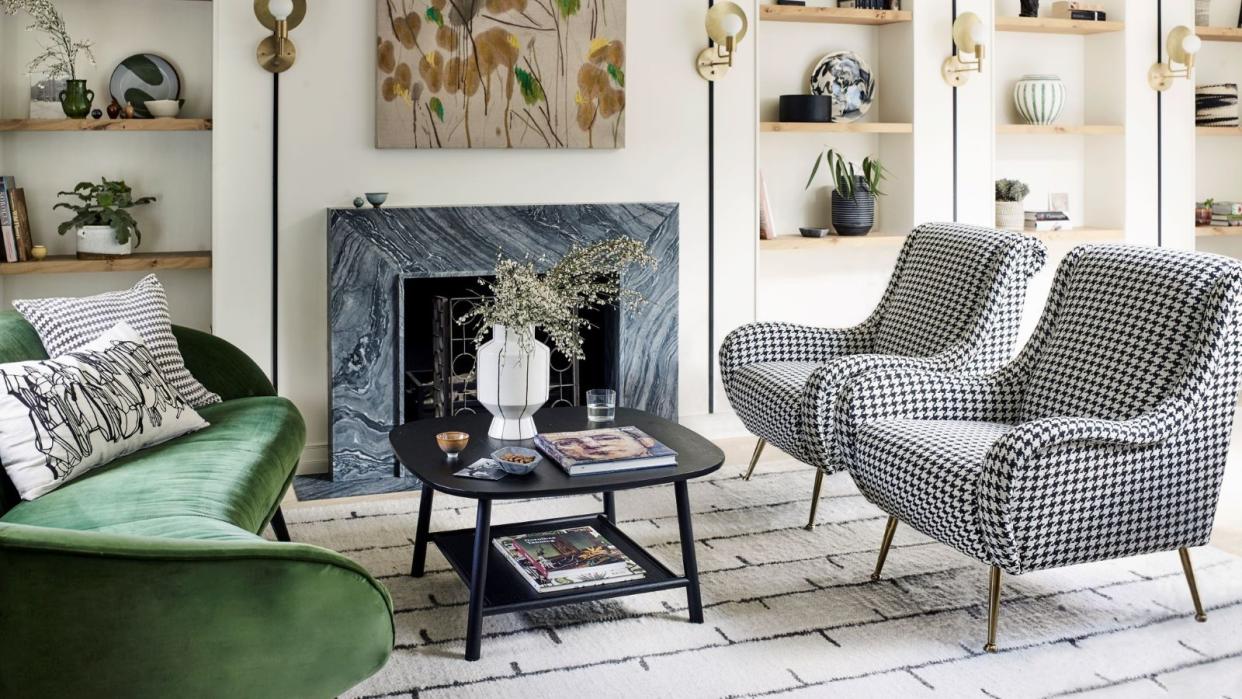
452 443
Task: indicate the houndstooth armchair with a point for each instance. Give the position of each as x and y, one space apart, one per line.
1105 438
954 302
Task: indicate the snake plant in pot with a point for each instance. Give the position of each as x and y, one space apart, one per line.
103 224
853 194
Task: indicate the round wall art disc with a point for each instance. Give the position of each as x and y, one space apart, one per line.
847 77
142 78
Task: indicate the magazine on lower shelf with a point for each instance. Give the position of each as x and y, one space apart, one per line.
567 559
605 450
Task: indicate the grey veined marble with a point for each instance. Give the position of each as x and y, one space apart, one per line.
370 252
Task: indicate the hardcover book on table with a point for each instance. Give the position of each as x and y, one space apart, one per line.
567 559
605 450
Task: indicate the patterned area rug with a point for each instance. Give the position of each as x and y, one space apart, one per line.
792 613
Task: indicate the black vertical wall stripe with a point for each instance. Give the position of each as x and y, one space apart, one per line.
953 48
275 226
1159 131
711 240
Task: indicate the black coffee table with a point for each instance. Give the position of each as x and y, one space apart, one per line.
495 587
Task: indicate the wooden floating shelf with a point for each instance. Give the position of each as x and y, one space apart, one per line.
1231 34
1085 130
797 242
1218 231
105 124
142 262
1048 25
1218 131
855 127
832 15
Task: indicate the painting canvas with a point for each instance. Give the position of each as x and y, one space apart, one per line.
500 74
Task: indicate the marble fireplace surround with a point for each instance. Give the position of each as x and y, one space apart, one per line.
372 251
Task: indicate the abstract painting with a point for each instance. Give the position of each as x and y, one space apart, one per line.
500 74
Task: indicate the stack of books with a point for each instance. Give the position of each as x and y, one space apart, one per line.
567 559
1073 9
1040 221
607 450
1227 213
14 222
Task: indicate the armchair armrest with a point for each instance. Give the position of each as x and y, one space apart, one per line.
787 342
143 616
923 394
221 367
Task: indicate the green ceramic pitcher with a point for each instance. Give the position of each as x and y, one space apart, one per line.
76 99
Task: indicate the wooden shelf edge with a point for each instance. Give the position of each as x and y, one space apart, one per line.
1218 231
148 125
1228 34
855 127
139 262
1053 129
1049 25
1218 131
833 15
797 242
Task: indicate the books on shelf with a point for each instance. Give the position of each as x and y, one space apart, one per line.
1226 208
1041 221
567 559
1078 10
15 237
606 450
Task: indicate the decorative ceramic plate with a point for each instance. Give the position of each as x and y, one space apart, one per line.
847 78
142 78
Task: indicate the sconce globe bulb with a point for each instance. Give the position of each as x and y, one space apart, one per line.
731 24
1191 44
281 9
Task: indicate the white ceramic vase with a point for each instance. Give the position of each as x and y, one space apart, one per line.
97 241
512 381
1039 98
1010 216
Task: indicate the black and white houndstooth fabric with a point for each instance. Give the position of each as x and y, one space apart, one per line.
954 302
1105 438
66 324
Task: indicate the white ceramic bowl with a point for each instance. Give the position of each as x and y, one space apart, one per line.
163 109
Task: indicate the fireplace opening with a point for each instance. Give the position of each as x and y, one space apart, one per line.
438 374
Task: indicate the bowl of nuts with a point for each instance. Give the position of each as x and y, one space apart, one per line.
517 461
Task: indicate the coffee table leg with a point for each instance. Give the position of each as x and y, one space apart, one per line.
610 507
478 579
422 533
688 562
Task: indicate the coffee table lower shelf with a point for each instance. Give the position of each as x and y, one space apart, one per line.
506 591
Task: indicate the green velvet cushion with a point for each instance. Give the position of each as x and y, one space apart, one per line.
232 472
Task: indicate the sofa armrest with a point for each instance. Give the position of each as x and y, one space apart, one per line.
221 367
93 614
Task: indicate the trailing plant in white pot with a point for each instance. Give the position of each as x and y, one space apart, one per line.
1009 213
101 220
513 365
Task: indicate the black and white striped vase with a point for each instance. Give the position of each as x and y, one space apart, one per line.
854 216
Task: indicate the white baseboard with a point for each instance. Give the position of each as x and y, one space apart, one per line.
315 459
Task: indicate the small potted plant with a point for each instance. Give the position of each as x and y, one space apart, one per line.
59 57
1203 212
1009 212
853 194
513 366
101 218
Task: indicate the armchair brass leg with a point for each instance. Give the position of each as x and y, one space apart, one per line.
819 484
1194 588
754 459
993 609
889 530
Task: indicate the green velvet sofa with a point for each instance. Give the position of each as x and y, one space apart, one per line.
147 578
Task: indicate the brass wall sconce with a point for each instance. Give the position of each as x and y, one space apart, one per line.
1182 46
277 52
968 36
726 25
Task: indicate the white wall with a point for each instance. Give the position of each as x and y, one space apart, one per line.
328 158
175 167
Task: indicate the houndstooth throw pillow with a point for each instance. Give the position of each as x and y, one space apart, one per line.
64 325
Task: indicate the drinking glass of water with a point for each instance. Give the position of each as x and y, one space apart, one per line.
601 405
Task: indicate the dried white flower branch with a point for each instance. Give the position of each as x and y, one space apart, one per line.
60 58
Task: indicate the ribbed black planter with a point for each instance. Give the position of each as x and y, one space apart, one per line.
854 216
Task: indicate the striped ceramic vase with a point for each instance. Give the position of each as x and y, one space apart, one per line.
854 216
1039 98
